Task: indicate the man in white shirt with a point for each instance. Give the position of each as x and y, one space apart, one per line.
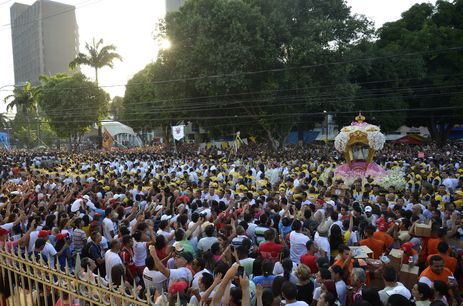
391 283
111 257
204 244
297 242
108 225
180 261
152 278
336 274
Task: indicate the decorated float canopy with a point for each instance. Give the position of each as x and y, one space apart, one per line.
359 142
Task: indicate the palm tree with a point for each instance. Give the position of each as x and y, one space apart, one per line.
98 57
25 101
3 121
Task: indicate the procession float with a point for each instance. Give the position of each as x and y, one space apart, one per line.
359 142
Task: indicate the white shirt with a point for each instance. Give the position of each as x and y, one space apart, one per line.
204 244
139 253
49 252
154 279
298 248
341 291
108 227
195 282
32 238
298 303
180 273
75 206
110 260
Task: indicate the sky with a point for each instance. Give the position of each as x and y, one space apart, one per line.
130 26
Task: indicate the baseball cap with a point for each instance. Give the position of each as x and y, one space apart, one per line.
407 247
368 209
43 234
166 217
178 247
400 290
61 236
187 256
331 203
178 287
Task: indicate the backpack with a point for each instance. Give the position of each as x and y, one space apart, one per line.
86 250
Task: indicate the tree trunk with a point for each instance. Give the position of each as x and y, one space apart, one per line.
439 132
29 135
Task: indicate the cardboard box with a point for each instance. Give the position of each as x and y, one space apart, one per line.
408 276
423 230
361 251
396 257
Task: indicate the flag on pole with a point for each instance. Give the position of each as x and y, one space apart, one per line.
107 140
178 132
4 140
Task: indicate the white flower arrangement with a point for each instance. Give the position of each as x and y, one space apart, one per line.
376 139
394 177
341 140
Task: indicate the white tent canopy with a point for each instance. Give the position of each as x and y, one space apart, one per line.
122 134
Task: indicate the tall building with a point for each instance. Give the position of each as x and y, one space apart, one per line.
174 5
45 39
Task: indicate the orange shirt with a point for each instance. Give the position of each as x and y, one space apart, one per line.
432 245
383 236
433 276
377 246
449 262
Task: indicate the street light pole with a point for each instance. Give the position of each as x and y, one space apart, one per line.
326 125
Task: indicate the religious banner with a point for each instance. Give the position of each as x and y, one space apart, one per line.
178 132
4 140
107 140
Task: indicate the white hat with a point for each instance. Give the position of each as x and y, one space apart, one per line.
166 217
331 202
400 290
368 209
75 205
86 197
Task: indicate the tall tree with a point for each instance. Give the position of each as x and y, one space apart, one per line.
4 122
116 108
98 56
272 39
25 101
432 34
72 104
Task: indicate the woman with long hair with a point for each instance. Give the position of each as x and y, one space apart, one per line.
335 239
267 276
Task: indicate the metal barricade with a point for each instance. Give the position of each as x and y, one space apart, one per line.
35 283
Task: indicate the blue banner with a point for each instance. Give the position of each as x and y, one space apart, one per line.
4 140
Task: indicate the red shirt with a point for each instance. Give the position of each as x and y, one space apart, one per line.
310 261
270 250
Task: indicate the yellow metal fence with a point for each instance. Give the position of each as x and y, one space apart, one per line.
32 282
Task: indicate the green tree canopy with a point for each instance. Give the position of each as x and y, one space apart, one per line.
24 99
98 56
72 103
433 36
270 61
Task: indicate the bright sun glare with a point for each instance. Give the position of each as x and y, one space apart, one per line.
165 44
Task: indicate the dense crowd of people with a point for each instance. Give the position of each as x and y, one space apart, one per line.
255 228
